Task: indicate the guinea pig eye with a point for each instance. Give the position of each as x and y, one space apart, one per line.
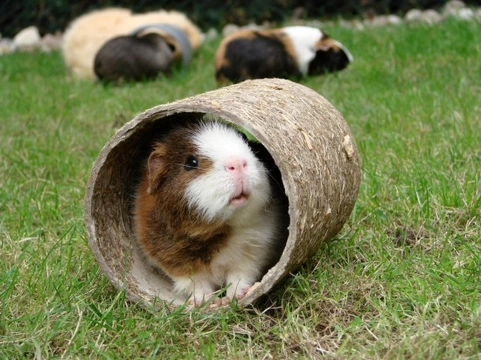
191 163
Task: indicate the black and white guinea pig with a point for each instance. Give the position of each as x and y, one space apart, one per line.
289 52
208 213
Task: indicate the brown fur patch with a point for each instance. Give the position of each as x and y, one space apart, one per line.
288 44
175 236
177 50
326 43
220 59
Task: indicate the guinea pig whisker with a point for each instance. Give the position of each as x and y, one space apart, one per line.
275 179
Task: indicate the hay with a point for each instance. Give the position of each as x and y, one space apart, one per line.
308 138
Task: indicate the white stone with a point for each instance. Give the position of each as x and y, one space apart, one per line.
51 42
211 34
229 29
465 14
454 5
413 15
383 20
27 39
431 16
253 26
477 14
394 20
6 46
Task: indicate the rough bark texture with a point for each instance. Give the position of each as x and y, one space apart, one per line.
308 138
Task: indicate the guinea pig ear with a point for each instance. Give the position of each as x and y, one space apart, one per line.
326 44
156 168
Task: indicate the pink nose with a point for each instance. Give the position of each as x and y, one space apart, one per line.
235 165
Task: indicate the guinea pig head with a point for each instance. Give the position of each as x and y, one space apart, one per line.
212 170
330 56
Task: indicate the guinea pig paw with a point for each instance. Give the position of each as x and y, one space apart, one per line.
218 302
196 301
192 303
242 291
210 300
226 300
238 291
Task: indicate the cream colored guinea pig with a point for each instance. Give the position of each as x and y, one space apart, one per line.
88 33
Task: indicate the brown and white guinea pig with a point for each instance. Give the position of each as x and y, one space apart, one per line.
207 212
289 52
88 33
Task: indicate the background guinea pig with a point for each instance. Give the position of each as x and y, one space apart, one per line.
133 58
86 34
289 52
208 212
143 54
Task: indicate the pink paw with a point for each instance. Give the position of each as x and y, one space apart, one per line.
212 300
218 302
193 302
242 291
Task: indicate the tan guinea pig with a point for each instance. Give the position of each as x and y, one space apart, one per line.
208 212
289 52
86 35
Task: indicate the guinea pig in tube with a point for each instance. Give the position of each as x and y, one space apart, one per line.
209 211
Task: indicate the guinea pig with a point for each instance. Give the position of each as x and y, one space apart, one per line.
289 52
133 58
86 34
208 213
143 54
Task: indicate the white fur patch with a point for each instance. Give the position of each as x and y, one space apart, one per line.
211 193
304 38
240 262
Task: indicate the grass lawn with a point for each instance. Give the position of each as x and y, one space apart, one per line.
401 280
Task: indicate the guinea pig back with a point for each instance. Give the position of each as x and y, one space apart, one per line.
308 139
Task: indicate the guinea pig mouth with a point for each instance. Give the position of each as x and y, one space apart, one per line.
239 199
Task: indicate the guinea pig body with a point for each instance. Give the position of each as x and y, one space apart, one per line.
133 58
289 52
88 33
250 54
206 212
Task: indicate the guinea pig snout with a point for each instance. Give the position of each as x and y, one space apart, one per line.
237 170
236 166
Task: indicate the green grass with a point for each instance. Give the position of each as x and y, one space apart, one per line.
401 280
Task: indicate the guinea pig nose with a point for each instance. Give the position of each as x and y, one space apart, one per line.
235 165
